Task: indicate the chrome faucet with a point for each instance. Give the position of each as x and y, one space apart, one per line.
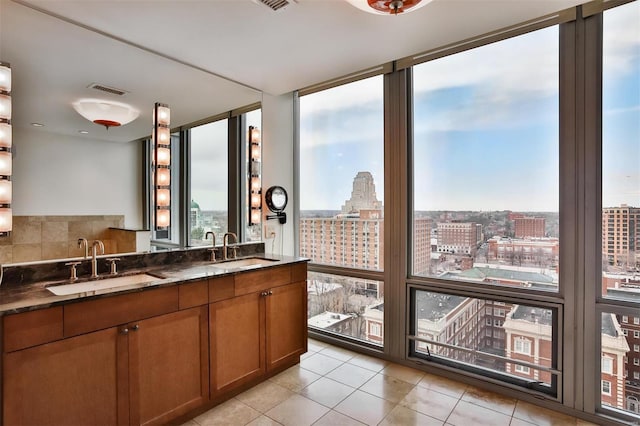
82 242
212 250
225 242
97 244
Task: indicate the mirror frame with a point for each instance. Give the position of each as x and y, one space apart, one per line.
268 197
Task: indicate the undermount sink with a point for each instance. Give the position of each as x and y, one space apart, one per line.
247 263
101 284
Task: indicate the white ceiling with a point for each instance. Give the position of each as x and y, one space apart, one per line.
275 52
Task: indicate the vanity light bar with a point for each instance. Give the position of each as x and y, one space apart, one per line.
162 165
6 217
255 184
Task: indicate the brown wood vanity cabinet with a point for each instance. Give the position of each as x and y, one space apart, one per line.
257 323
138 358
152 356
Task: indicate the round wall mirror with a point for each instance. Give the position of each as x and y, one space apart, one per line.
276 199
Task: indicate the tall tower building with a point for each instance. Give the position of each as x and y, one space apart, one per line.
621 235
363 195
354 238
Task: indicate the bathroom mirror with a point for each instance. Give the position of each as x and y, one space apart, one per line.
276 199
65 165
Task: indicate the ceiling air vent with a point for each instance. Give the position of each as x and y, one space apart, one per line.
107 89
276 5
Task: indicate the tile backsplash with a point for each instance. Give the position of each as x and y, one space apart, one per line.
55 237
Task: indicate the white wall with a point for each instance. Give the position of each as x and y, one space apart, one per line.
66 175
277 166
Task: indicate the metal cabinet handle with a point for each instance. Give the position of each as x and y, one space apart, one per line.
270 293
264 294
135 327
124 331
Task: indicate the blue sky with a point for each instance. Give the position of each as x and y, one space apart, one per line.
621 105
485 127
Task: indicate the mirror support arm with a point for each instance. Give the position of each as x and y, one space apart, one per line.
281 216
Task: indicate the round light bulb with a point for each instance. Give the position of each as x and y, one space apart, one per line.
164 157
163 218
164 177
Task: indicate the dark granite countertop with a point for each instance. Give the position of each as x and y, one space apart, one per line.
35 295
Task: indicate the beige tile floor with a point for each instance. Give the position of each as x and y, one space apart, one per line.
333 386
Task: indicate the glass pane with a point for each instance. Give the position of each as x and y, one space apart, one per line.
342 175
486 164
352 307
620 363
341 212
208 212
254 119
621 153
485 335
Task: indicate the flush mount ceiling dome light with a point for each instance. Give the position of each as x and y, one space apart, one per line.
106 113
388 7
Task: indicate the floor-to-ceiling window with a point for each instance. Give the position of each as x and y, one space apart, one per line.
486 208
341 208
619 389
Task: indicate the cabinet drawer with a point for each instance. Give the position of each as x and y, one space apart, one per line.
221 288
193 294
32 328
97 314
251 282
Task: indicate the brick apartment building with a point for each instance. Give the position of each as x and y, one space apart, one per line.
529 227
630 326
459 237
354 240
621 235
421 245
627 286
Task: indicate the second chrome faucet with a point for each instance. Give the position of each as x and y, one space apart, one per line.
95 246
225 243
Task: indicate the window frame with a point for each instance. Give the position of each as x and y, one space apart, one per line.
522 346
606 364
558 300
344 271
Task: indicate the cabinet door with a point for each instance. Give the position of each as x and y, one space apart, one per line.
237 341
286 319
68 382
169 365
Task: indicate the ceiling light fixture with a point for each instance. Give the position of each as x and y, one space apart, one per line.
388 7
106 113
